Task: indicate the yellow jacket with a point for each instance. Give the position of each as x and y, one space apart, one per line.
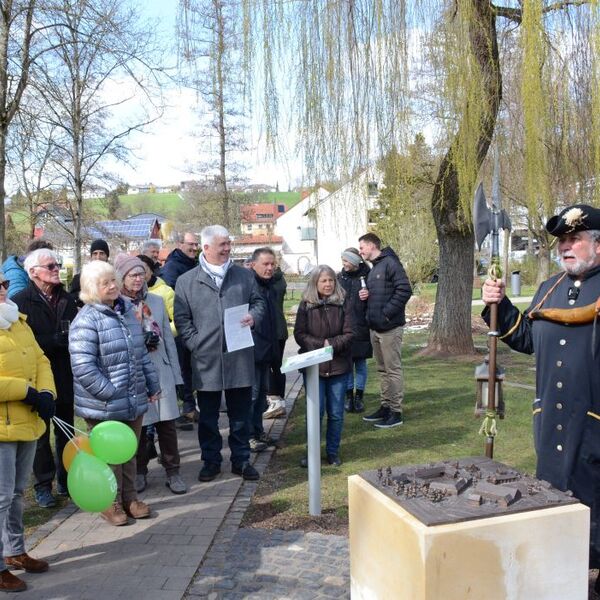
22 364
160 288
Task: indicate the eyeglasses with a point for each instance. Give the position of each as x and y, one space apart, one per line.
4 284
51 266
136 275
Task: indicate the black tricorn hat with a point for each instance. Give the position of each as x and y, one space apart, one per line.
579 217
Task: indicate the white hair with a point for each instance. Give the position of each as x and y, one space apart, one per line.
208 234
91 274
33 258
150 244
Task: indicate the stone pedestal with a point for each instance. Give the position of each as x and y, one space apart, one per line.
536 555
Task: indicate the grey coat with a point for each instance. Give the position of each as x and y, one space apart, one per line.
199 307
112 371
165 360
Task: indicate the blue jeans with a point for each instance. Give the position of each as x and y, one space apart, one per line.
238 408
16 462
359 366
331 399
259 399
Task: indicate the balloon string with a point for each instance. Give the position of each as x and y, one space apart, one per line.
62 426
68 425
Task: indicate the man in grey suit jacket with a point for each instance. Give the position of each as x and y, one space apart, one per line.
201 297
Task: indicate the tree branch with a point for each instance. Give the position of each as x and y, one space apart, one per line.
516 14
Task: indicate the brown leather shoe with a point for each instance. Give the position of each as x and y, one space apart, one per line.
115 515
137 509
11 583
25 562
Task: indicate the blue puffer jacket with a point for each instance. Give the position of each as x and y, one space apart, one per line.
13 271
112 371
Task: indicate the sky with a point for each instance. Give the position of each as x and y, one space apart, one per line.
168 150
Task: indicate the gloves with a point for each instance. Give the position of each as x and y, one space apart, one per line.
151 340
41 402
45 406
61 340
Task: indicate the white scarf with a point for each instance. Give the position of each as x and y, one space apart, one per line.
216 272
9 313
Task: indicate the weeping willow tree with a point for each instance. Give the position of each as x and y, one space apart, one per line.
362 76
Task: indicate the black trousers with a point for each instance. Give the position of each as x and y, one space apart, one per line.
276 377
238 410
46 464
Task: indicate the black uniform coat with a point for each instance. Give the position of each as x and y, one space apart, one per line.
566 411
44 321
350 281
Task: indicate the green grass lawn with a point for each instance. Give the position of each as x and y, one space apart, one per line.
439 424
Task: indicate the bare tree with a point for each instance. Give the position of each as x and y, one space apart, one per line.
102 63
210 42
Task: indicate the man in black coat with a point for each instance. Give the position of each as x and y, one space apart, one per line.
560 327
50 310
99 250
180 261
266 345
387 292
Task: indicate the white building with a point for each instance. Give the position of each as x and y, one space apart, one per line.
298 229
343 216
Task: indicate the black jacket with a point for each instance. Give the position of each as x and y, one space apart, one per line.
45 322
264 331
279 289
177 264
389 291
350 281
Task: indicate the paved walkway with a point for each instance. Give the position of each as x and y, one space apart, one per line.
190 547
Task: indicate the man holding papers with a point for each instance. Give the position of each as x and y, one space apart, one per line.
202 296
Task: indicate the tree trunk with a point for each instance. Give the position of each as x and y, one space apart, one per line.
3 246
544 257
450 331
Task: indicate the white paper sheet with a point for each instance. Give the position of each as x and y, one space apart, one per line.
237 336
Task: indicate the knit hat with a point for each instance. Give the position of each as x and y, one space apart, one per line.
99 245
352 256
125 263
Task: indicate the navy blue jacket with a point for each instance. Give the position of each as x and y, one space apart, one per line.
389 291
177 264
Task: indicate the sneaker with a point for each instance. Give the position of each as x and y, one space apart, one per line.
257 445
269 441
26 563
246 471
115 515
44 498
277 410
62 490
137 509
176 484
381 414
185 422
209 471
334 460
393 420
10 582
140 483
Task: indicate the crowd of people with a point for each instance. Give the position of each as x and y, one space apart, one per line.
132 340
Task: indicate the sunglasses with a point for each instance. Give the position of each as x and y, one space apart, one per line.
4 284
136 275
51 266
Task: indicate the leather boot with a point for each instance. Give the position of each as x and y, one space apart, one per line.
26 562
359 405
10 582
349 403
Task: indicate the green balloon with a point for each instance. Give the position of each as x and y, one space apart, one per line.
113 442
91 482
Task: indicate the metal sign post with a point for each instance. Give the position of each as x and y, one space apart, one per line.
310 362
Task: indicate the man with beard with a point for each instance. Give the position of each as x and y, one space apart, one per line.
560 328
